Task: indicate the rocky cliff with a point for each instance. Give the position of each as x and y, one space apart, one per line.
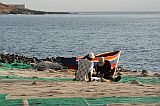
6 9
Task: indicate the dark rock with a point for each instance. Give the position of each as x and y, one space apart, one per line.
40 68
52 71
120 73
156 75
135 71
34 83
145 73
34 77
50 65
135 82
120 69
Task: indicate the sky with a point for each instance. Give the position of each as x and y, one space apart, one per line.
89 5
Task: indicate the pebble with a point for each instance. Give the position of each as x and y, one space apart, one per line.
120 73
34 83
34 77
135 82
157 75
145 73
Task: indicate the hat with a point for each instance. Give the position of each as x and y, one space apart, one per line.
91 55
101 61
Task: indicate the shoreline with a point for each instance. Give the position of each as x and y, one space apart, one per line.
33 61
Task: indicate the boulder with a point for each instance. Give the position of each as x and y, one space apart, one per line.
135 82
145 73
156 75
40 68
49 65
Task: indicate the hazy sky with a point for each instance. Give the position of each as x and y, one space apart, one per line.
89 5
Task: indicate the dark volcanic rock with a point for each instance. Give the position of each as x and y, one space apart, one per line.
145 73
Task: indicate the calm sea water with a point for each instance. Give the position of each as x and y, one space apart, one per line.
136 35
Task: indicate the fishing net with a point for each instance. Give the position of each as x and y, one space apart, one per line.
143 80
17 65
125 79
93 101
81 101
57 102
36 79
12 102
126 100
3 96
3 69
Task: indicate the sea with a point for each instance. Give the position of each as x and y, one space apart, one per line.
135 34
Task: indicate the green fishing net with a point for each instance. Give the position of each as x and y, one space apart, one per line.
36 79
17 65
143 80
125 79
93 101
11 102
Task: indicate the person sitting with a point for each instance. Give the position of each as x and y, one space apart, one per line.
85 68
103 70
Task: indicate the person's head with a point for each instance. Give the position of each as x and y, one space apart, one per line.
101 61
90 56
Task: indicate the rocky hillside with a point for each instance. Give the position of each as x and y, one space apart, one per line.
5 9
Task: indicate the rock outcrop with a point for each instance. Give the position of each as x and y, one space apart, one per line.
6 9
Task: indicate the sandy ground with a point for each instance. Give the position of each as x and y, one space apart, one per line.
52 89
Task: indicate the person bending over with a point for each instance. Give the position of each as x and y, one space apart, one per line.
85 68
103 70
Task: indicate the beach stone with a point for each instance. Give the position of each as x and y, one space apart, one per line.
125 70
40 68
135 82
120 69
49 65
34 83
91 90
135 71
120 73
145 71
145 75
156 75
51 71
34 77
